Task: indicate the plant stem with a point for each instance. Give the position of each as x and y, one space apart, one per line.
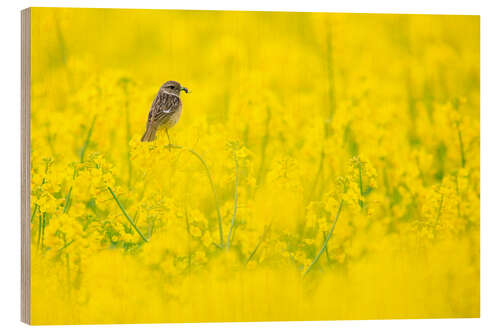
438 215
39 231
326 249
44 221
360 180
34 213
66 245
361 203
462 152
67 202
261 239
126 215
212 185
235 200
87 140
325 243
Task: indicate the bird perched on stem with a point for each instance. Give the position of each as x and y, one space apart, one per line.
165 111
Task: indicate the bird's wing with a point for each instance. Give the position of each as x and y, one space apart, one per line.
163 107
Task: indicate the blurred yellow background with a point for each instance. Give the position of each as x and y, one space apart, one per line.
326 167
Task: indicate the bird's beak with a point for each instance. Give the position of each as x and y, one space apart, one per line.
185 89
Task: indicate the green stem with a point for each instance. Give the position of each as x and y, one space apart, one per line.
261 239
34 213
126 215
438 216
87 140
326 249
361 203
67 202
325 243
212 185
462 152
360 181
66 245
235 200
39 231
44 221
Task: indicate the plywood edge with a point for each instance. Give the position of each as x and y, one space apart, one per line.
25 166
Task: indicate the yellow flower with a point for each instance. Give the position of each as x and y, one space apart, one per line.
200 257
195 231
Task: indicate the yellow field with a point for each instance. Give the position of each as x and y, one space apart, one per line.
326 166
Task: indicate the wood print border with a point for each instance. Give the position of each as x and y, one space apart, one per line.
25 165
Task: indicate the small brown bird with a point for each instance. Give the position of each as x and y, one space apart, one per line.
165 111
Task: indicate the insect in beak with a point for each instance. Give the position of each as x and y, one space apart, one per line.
185 89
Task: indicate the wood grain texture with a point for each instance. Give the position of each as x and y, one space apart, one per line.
25 165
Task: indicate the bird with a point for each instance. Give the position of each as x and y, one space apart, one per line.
165 110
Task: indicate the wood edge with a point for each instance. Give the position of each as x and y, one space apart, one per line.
25 166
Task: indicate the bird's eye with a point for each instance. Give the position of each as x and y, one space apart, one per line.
171 87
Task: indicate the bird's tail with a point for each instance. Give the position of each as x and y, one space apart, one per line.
150 134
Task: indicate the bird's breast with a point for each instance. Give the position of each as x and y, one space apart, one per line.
174 118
